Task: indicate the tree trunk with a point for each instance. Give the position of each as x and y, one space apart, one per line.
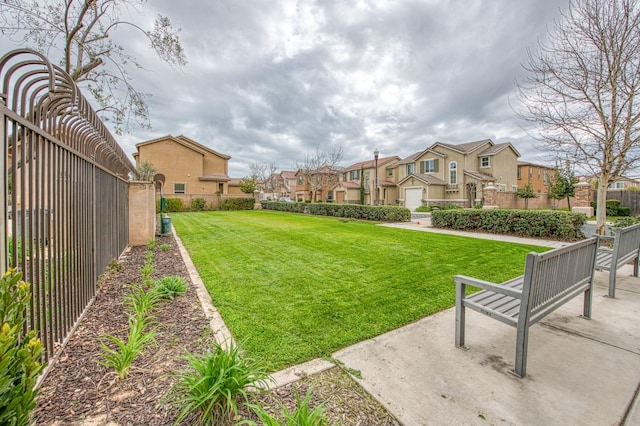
601 208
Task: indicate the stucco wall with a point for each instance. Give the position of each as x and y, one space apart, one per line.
142 213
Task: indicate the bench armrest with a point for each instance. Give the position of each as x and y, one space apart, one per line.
486 285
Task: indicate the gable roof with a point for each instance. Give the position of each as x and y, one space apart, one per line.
463 148
497 148
479 176
371 163
424 178
185 141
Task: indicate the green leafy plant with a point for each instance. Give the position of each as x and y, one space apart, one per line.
169 287
303 415
237 204
19 354
165 247
151 245
139 338
210 387
198 204
139 301
114 265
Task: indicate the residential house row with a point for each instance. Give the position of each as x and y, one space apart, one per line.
438 175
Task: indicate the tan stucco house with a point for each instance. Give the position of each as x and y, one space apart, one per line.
456 174
188 167
347 191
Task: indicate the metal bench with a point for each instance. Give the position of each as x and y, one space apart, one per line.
626 247
550 279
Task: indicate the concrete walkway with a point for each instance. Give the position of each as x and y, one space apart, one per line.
579 372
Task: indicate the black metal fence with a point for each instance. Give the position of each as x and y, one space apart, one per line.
64 193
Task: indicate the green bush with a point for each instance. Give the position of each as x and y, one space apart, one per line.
529 223
19 354
174 204
614 208
198 204
424 208
237 204
210 387
353 211
303 415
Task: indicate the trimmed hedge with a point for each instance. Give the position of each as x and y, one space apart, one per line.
614 208
237 204
353 211
529 223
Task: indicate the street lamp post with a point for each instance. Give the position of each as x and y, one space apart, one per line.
376 153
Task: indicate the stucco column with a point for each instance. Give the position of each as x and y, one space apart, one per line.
257 205
142 213
582 203
489 194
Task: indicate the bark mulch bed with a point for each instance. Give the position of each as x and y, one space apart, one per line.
77 390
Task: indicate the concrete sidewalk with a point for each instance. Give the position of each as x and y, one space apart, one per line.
580 372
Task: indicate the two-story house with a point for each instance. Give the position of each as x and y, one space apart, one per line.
315 185
364 173
456 174
188 167
537 175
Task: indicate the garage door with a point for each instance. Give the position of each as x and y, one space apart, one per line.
413 198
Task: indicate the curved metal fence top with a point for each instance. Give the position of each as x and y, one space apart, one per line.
45 95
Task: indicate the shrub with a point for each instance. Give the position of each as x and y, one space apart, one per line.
174 205
169 287
530 223
614 208
19 354
198 204
354 211
165 247
209 388
237 204
424 209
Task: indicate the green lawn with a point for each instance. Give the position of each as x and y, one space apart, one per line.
294 287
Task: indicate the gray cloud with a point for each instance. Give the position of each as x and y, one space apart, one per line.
270 81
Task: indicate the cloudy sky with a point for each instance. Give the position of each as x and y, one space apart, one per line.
270 81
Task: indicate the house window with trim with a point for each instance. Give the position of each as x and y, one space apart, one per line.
429 166
355 174
390 173
502 187
546 177
300 180
453 173
519 173
179 188
514 188
616 185
484 162
409 169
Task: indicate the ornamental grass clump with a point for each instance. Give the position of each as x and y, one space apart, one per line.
19 353
303 415
169 287
138 339
210 388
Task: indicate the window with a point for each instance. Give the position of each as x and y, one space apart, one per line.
616 185
530 171
453 173
546 177
484 162
429 166
355 174
300 180
409 169
502 187
538 172
179 188
390 173
514 188
519 177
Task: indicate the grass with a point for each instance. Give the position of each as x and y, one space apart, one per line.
295 287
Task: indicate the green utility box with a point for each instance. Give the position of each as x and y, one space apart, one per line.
165 225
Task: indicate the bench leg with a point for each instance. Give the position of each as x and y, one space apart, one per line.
586 310
612 281
635 266
460 315
522 342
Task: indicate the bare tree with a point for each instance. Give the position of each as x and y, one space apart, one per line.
266 176
78 33
319 169
582 88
